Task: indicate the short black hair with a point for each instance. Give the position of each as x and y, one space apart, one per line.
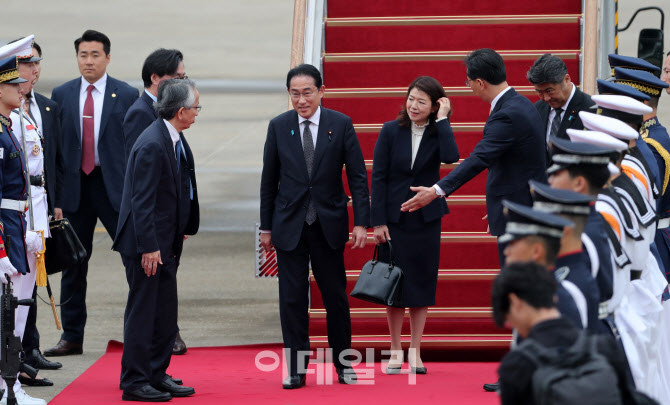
160 62
37 48
547 68
551 246
531 282
304 70
486 64
596 175
93 35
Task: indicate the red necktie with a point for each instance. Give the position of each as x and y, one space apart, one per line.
88 134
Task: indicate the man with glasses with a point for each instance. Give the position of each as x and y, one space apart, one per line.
560 100
153 221
304 216
162 64
92 108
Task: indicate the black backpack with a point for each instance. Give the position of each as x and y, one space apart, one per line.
574 375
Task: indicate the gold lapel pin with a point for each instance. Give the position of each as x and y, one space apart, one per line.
48 109
113 94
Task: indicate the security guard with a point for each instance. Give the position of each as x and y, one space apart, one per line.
572 259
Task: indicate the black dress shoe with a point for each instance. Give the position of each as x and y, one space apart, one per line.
177 381
346 375
146 393
36 360
492 387
179 346
173 389
34 382
418 370
65 348
293 381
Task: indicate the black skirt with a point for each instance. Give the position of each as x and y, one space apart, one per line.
416 248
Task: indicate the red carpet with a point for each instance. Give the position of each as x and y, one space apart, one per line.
229 375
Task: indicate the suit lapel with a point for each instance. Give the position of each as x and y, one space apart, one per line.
167 142
422 153
150 103
74 105
544 115
405 148
508 94
107 104
322 139
569 115
295 142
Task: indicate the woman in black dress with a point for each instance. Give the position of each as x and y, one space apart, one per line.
407 154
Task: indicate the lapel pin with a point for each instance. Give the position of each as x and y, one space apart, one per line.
292 132
330 133
113 94
48 109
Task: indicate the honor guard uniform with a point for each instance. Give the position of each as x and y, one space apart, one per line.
522 222
25 129
574 207
638 311
630 62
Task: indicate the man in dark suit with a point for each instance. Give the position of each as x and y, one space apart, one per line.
560 100
512 148
160 65
304 215
45 114
92 108
152 224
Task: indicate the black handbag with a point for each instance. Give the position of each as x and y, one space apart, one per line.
380 282
63 249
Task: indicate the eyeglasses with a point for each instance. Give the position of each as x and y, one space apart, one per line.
197 108
307 94
467 82
176 76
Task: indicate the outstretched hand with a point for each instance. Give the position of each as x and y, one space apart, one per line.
423 197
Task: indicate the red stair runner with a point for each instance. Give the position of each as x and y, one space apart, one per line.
373 50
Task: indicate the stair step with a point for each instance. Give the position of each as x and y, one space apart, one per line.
434 326
455 288
474 187
367 108
378 8
452 20
455 341
472 35
467 136
471 250
433 312
398 70
464 215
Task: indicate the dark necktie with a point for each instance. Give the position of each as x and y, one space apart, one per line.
308 150
556 123
88 134
179 155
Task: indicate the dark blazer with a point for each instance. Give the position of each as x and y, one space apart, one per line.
392 174
286 185
150 215
53 153
190 223
119 96
139 116
580 102
513 151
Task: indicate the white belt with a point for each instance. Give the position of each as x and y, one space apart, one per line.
663 223
15 205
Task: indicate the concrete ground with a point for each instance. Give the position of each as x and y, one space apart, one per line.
238 53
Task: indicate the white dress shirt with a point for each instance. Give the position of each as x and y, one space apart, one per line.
552 112
495 100
98 98
174 136
151 95
313 126
417 136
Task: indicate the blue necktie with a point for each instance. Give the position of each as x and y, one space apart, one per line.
178 152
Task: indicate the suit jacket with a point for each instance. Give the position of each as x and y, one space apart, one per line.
286 186
119 96
580 102
53 152
393 174
139 116
150 214
513 151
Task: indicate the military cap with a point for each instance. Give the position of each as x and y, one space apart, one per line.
525 221
8 72
608 125
24 53
611 87
621 107
558 201
629 62
567 153
640 80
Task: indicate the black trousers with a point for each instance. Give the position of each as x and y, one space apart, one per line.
150 322
31 336
94 204
328 270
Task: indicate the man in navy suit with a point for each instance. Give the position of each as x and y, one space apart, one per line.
304 216
92 108
512 148
160 65
151 229
560 100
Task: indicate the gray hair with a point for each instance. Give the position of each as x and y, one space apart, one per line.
174 94
547 68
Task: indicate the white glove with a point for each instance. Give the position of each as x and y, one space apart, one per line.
33 242
6 268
